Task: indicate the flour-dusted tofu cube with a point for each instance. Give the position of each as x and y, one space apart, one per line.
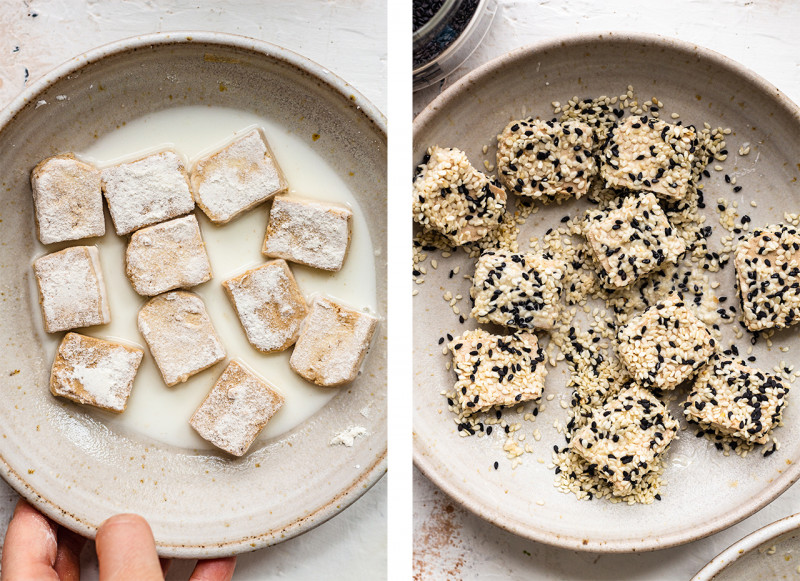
546 160
72 291
495 371
180 335
269 304
237 178
626 438
147 191
665 345
734 399
308 232
68 199
631 238
522 291
453 198
333 342
644 154
236 409
167 256
768 274
95 372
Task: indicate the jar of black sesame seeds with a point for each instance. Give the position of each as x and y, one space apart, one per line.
446 33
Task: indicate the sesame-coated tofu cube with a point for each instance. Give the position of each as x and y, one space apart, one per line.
453 198
167 256
180 335
626 438
631 238
95 372
644 154
768 273
308 232
546 160
236 409
147 191
736 400
333 342
72 291
496 371
665 345
68 199
269 304
237 178
522 291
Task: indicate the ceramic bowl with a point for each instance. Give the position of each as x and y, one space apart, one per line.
74 467
705 491
771 552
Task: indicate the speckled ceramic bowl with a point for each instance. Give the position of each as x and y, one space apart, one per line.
705 491
772 552
75 468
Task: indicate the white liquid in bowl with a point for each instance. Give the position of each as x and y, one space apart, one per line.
162 412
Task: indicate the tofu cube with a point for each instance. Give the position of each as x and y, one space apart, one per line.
167 256
147 191
631 239
95 372
333 342
308 232
456 200
736 400
236 409
72 291
665 345
644 154
768 275
521 291
68 200
237 178
269 304
546 160
626 438
496 371
180 335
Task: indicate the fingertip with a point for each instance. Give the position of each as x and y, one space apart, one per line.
24 507
30 543
126 549
124 519
28 518
214 569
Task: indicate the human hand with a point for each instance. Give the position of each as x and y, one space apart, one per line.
36 549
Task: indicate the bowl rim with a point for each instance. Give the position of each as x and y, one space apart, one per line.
427 465
747 544
370 474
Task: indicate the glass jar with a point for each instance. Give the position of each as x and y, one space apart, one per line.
448 39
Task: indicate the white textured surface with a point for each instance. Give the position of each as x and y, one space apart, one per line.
348 38
452 543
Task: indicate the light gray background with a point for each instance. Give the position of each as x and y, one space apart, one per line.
349 38
451 543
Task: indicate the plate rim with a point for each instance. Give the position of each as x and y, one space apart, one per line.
378 467
745 545
425 463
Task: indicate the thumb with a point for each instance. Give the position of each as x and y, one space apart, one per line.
126 550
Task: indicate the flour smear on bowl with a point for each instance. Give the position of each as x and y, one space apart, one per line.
160 412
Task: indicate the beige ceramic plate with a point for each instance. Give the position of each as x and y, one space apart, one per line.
770 553
74 467
705 491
